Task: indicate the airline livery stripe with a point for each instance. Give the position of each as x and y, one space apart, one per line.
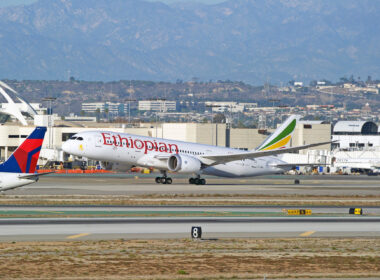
280 144
29 163
288 130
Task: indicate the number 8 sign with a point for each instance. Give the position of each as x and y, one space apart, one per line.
196 232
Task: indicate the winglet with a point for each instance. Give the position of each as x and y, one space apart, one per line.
280 139
24 159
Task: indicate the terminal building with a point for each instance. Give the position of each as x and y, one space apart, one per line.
356 135
358 147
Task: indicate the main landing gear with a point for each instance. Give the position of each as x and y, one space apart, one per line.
164 179
197 181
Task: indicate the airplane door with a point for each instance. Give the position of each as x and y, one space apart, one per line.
98 141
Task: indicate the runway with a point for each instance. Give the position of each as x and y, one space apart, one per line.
139 184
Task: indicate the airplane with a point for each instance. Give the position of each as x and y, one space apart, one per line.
127 150
19 169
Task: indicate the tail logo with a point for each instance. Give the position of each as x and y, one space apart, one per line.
27 155
282 139
24 159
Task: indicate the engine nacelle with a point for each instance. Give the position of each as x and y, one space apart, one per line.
184 164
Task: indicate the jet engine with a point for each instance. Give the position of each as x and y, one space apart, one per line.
184 164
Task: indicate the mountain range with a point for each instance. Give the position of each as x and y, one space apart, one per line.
244 40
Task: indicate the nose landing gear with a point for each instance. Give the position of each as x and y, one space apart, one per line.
197 181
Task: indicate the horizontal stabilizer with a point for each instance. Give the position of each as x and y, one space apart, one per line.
34 175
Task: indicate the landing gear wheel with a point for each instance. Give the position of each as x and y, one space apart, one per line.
169 181
158 180
164 180
191 181
197 181
203 181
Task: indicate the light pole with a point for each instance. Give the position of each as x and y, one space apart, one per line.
129 108
212 123
50 101
161 110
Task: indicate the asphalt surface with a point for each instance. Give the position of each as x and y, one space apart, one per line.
149 210
215 227
138 184
176 221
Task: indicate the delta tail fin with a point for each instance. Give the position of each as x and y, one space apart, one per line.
282 136
24 159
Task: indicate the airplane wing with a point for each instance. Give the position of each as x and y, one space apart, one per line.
34 175
219 159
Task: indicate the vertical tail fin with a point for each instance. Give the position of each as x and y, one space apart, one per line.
281 137
24 159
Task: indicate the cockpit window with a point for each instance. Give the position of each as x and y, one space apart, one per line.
80 138
73 137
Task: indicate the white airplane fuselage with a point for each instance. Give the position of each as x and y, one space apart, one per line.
134 150
10 181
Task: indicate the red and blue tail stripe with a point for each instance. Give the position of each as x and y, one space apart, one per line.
24 159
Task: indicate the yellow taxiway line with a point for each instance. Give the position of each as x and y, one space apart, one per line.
77 235
307 233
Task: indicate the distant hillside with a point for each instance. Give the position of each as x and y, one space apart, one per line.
248 40
70 95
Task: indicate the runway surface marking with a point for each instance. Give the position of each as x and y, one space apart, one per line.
53 212
307 233
77 235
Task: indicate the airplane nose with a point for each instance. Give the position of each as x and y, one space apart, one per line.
66 147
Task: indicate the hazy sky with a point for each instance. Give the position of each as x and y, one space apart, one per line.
4 3
200 1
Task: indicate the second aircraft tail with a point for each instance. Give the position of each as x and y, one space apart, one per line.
24 158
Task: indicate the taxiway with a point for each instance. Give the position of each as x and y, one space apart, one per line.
213 227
